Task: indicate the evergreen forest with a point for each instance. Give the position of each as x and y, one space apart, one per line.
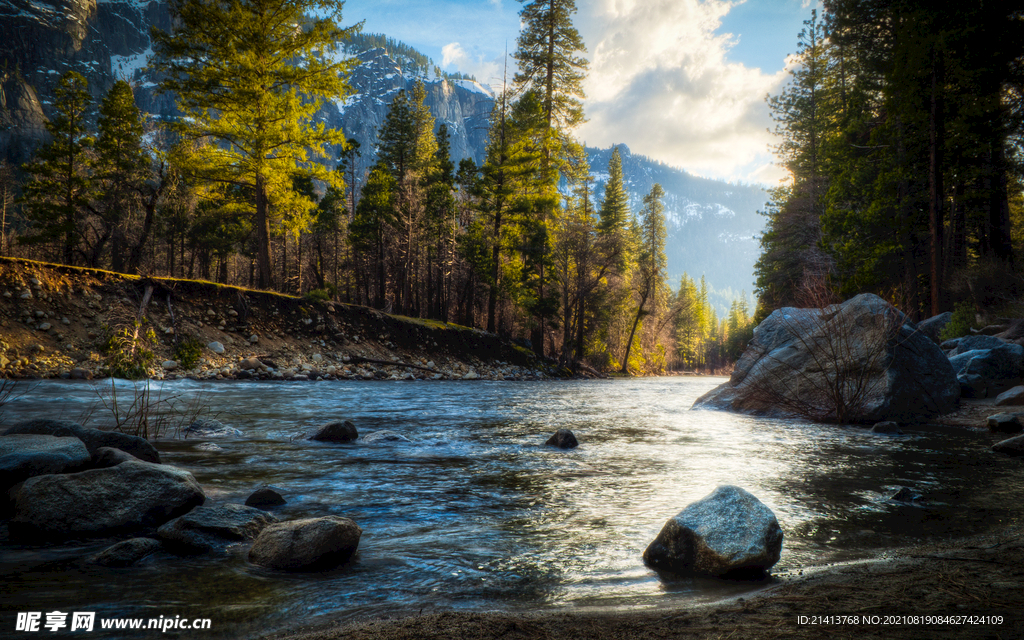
900 125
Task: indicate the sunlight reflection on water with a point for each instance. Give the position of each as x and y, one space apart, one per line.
475 512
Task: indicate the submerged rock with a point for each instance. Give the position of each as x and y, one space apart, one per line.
786 370
385 436
905 495
729 532
313 544
206 528
126 553
209 428
265 496
336 432
887 428
563 439
98 502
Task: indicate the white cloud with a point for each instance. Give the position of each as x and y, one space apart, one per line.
661 82
487 71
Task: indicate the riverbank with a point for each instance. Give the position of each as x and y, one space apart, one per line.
57 322
963 588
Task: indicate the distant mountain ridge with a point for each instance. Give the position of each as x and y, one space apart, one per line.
711 224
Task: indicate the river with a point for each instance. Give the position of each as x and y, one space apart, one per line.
474 512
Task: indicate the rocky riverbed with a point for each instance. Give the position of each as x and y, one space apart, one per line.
57 322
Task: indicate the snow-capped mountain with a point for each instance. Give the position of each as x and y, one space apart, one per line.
711 224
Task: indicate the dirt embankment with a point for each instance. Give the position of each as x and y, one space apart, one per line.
56 322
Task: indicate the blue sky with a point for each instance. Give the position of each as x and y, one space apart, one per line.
682 81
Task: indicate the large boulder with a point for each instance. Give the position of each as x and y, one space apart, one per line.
44 427
313 544
206 528
92 438
729 532
25 456
861 361
131 496
932 327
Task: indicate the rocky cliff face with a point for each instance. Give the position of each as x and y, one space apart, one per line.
108 40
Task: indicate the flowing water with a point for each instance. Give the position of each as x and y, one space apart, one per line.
474 512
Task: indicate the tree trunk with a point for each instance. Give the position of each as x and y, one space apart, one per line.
937 140
632 332
263 264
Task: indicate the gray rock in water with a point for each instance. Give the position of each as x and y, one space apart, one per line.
209 446
384 436
313 544
1005 423
888 428
336 432
905 495
206 528
136 446
265 496
24 456
126 553
1011 447
104 457
933 326
729 532
905 377
99 502
563 439
1012 397
209 428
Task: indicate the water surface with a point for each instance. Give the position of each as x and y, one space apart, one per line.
475 513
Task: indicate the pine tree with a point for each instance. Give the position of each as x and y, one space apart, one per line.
249 78
615 207
122 169
57 195
547 56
